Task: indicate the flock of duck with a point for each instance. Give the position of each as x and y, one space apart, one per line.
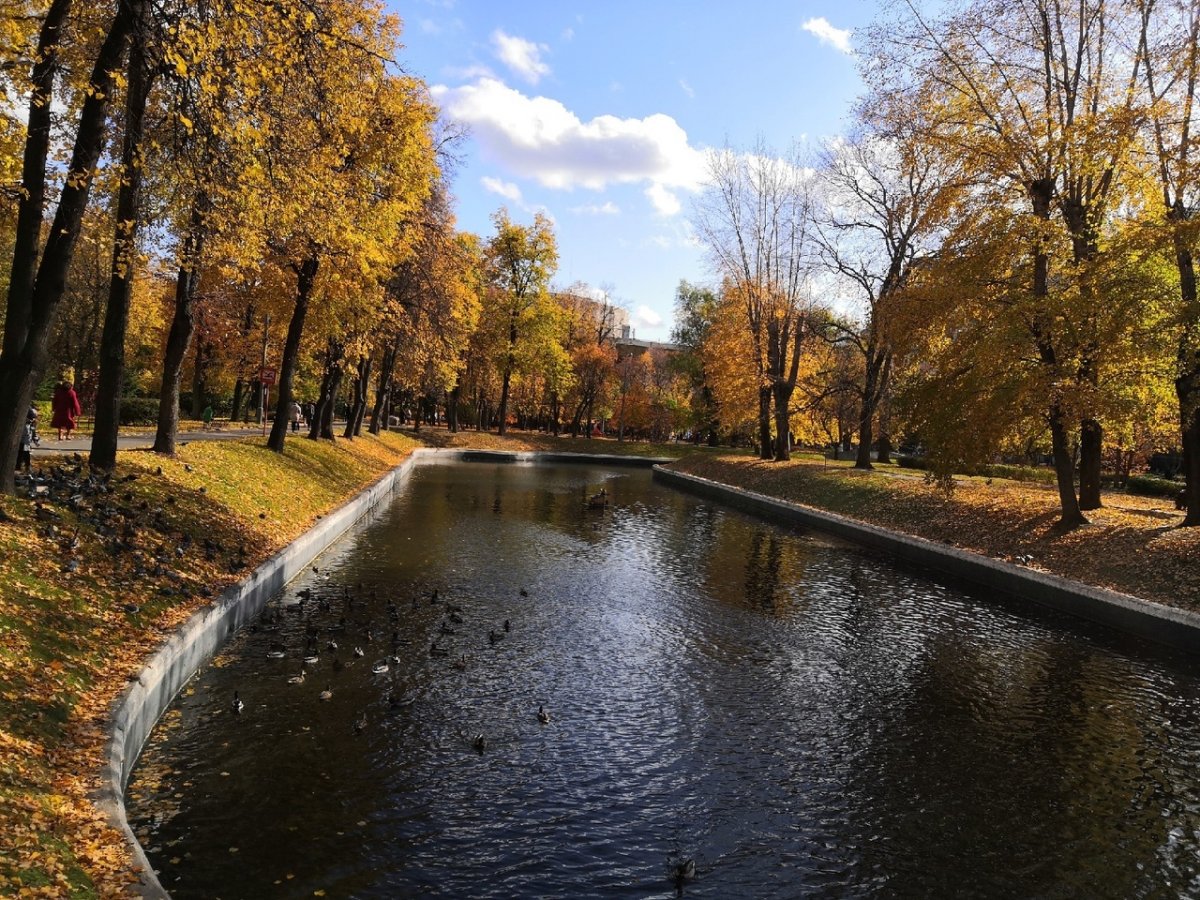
354 630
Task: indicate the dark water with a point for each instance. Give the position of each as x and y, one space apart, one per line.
799 717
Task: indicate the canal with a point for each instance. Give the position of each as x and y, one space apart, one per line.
797 716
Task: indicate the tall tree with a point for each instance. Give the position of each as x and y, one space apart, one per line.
754 218
1039 106
695 309
884 201
520 260
355 162
1170 45
34 294
139 77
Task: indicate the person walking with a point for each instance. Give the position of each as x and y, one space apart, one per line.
29 439
65 408
296 413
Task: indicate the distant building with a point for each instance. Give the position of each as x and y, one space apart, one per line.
613 322
631 346
609 320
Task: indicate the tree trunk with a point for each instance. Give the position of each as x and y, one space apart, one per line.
866 435
1064 471
255 403
1187 379
329 412
1041 193
866 418
323 413
783 425
291 351
765 446
358 405
885 447
32 303
509 362
103 455
1090 446
1191 470
452 400
178 340
314 426
31 204
383 390
235 406
352 412
362 403
200 378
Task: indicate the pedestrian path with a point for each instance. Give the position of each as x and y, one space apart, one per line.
140 440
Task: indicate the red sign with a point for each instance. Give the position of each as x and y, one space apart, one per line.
266 376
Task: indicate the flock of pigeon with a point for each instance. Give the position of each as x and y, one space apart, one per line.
75 506
354 631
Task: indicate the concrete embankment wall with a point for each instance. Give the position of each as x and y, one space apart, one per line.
1162 624
194 643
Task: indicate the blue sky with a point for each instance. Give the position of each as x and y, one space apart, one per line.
599 114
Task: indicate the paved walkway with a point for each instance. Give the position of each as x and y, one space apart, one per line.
139 440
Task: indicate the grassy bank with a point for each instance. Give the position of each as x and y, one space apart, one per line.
1131 546
93 575
532 440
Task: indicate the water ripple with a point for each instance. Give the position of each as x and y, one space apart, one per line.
802 718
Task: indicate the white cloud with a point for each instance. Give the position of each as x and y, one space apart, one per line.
539 138
428 26
679 235
568 33
608 208
827 34
647 317
466 73
687 88
665 202
505 189
522 56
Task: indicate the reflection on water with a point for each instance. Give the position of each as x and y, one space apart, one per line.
799 717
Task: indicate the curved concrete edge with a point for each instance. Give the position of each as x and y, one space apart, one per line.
136 711
544 456
138 708
1162 624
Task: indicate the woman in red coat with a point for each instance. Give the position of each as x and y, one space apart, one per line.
65 408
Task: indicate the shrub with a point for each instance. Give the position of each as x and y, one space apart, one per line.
1018 473
1036 474
1153 486
139 411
